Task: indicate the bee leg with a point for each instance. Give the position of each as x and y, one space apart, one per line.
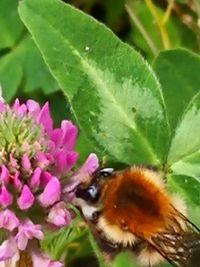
109 250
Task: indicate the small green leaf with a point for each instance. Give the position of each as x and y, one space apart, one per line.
186 186
27 68
188 166
9 67
113 92
178 73
186 141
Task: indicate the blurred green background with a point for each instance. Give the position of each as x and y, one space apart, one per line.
148 26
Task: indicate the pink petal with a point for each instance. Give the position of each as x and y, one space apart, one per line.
8 220
51 146
4 177
42 160
90 165
5 197
69 134
45 119
33 108
45 178
12 262
17 183
64 160
42 260
35 178
26 164
22 110
19 109
26 198
8 249
16 104
13 161
56 136
59 215
1 105
28 231
88 168
51 193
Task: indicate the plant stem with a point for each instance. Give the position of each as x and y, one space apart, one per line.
97 252
161 26
142 30
168 12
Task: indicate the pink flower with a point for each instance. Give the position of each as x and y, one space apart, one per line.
5 197
26 199
59 215
89 167
35 157
4 177
8 220
27 231
51 193
43 261
8 249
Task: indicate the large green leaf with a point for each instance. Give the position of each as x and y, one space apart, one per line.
178 72
113 92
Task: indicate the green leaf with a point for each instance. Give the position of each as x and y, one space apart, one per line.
11 28
113 92
27 68
189 189
124 259
178 73
186 141
188 166
186 186
21 64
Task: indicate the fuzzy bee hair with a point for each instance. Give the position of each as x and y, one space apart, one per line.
131 209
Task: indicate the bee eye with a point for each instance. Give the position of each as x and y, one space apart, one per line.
105 172
90 194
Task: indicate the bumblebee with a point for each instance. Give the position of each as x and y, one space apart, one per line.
131 210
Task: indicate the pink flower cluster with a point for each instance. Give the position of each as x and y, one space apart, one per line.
35 159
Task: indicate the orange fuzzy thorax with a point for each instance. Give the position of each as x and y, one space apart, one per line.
136 202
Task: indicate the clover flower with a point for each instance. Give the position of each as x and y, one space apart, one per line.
34 159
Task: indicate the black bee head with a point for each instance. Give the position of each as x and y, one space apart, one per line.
91 193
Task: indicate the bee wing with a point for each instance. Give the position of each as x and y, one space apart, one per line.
180 246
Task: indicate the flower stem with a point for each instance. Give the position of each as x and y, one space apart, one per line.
24 260
97 252
142 30
159 22
168 12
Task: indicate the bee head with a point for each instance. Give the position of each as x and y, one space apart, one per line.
90 192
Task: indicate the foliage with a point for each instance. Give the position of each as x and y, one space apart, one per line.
129 111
